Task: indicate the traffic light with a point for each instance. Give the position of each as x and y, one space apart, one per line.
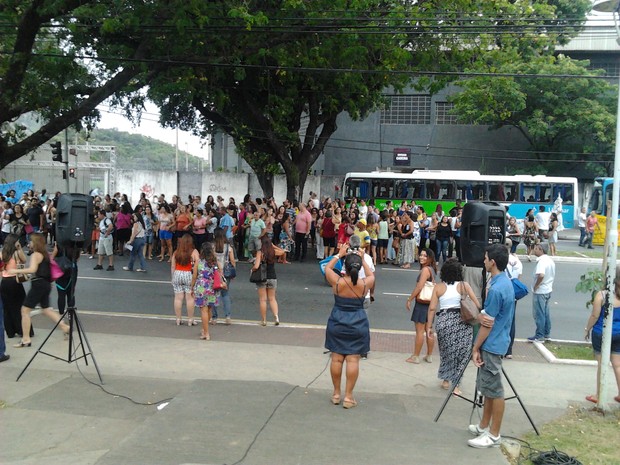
57 151
72 172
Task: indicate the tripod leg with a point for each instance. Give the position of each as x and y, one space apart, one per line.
527 414
84 339
38 350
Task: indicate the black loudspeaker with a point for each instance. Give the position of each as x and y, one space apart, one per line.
74 219
482 224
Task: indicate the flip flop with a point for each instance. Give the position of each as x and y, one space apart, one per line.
592 399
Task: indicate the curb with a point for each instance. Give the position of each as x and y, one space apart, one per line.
550 358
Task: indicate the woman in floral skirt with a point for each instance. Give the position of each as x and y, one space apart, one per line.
202 284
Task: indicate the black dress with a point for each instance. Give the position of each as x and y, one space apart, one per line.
13 294
348 330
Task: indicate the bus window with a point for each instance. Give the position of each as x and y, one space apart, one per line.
358 188
467 190
534 192
382 189
565 191
502 192
440 190
596 202
408 189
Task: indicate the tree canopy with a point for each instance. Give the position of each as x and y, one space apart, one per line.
273 74
569 117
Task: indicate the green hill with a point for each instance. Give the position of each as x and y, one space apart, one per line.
135 151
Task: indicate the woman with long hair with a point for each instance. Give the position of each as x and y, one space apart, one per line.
454 336
137 241
202 284
530 235
286 237
150 223
594 328
183 267
428 273
199 228
40 288
348 332
224 254
267 290
11 290
553 233
166 228
19 220
123 227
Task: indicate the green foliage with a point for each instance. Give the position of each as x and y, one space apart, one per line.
590 283
573 116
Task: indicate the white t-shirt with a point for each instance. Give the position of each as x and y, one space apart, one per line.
545 266
6 224
363 209
582 219
542 220
515 267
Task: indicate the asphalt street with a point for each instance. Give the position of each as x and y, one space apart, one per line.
304 297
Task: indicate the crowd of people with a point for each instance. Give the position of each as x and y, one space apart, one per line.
202 241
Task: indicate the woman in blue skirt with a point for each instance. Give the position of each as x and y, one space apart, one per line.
348 330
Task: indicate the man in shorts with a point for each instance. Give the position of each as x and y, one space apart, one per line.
490 345
106 243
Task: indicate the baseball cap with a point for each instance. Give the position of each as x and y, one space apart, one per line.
362 220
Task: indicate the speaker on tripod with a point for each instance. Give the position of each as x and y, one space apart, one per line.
482 224
74 220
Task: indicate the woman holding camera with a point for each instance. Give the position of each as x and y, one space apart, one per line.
348 331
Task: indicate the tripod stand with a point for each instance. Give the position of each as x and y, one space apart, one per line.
478 398
75 344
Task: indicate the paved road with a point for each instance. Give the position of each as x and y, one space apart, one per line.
304 297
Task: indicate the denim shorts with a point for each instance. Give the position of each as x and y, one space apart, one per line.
597 339
489 381
269 284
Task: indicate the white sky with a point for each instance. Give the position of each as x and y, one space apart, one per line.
149 126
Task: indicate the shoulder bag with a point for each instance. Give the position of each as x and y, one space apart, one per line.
469 311
260 274
219 281
519 288
425 295
229 270
55 270
20 277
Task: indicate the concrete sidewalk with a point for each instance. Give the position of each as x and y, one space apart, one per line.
241 398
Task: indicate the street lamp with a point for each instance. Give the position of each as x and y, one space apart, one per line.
611 240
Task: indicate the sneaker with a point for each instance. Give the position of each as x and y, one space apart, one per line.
476 430
110 268
5 357
228 322
484 441
140 270
535 339
91 257
98 267
126 268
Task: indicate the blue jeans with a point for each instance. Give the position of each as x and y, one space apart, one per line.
582 235
2 341
137 251
442 249
542 316
225 301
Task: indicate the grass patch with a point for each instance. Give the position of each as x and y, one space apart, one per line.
582 433
571 351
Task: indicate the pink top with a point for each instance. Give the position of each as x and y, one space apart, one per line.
303 222
200 225
123 221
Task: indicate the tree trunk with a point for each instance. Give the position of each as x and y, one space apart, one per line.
266 183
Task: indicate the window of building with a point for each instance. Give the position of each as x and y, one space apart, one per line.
442 113
407 109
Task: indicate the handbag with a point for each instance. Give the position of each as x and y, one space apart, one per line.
21 277
469 310
519 288
219 281
259 275
55 270
28 229
426 294
230 271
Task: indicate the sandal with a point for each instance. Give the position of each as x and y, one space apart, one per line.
592 399
23 344
349 404
445 384
335 400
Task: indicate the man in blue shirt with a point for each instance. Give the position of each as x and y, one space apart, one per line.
490 346
227 223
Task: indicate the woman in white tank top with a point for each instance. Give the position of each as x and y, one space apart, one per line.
454 337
